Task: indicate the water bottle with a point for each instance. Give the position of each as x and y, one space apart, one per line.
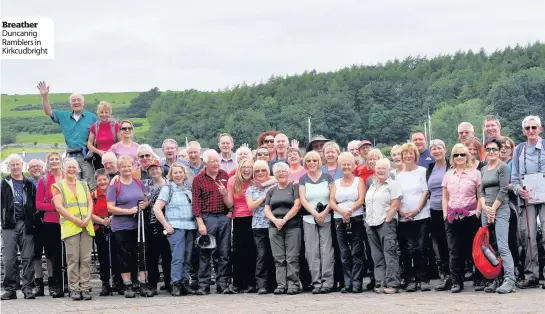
490 256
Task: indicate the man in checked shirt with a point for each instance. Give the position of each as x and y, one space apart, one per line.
209 195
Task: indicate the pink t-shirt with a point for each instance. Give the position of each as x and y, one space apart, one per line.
240 207
462 187
105 139
119 150
295 176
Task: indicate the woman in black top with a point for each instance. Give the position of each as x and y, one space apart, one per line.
282 208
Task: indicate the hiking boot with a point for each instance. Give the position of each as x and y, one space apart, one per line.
29 294
390 290
379 289
105 291
9 295
527 284
279 291
176 291
325 290
203 291
75 295
508 286
425 286
251 289
446 284
86 295
316 290
456 288
479 285
39 290
372 284
56 292
185 289
346 290
145 290
491 288
129 291
411 287
262 291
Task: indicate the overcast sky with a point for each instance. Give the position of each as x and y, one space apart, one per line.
113 46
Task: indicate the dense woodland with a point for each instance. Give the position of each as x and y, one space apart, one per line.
383 102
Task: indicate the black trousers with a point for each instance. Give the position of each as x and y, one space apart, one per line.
130 256
265 276
439 238
51 238
352 250
244 253
219 226
460 239
157 246
338 274
514 242
414 249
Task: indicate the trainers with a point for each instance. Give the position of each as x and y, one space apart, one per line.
508 286
411 287
491 288
9 295
425 286
446 284
456 288
479 285
346 290
390 290
145 290
185 289
325 290
86 295
262 291
316 290
379 289
279 291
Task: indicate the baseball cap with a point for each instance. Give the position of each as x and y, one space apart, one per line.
206 241
364 142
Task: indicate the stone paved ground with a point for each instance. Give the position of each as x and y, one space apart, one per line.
523 301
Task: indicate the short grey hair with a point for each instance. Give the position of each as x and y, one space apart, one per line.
437 142
76 94
529 118
13 157
240 149
280 166
144 148
463 124
70 159
169 141
208 154
383 161
354 142
40 162
109 155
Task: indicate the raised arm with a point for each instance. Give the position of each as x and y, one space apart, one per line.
44 91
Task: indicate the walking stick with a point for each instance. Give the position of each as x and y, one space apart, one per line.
111 280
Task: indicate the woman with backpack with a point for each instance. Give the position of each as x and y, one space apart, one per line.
173 210
158 243
51 226
126 197
102 134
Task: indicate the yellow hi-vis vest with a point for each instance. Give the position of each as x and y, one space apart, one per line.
76 205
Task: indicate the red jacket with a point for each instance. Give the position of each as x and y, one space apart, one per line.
44 199
363 172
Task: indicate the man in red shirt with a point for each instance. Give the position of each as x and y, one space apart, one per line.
210 211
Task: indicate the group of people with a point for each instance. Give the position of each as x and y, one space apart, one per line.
270 219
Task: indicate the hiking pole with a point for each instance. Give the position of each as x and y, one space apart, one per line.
111 280
63 263
139 243
144 247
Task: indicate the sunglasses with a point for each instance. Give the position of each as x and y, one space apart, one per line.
268 141
533 127
459 155
262 154
491 149
261 170
145 156
312 160
126 128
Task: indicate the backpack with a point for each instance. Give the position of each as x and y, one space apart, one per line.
119 186
112 126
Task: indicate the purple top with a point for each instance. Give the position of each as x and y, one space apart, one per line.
128 197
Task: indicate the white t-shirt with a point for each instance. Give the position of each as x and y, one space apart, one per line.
413 184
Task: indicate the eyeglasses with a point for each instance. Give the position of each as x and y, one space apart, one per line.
533 127
35 166
145 156
280 171
261 170
459 155
312 160
268 141
491 149
507 147
262 154
126 128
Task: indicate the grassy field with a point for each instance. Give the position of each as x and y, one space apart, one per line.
8 102
12 101
6 152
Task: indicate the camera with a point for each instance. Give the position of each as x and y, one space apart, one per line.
320 207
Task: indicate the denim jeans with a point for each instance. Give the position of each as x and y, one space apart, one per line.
181 245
